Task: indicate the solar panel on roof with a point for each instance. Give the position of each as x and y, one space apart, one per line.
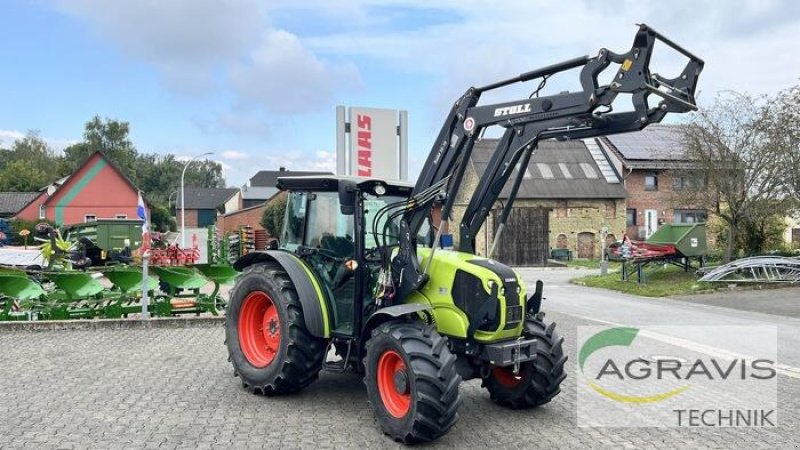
601 161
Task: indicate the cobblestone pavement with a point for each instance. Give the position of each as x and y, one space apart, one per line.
173 388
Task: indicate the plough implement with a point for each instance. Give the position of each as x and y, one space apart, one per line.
111 292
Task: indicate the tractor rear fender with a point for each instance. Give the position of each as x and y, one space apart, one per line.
390 313
309 289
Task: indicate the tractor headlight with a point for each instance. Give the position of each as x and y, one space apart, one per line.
379 189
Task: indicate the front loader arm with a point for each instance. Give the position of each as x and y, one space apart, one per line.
578 115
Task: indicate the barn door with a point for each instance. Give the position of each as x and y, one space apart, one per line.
525 241
586 245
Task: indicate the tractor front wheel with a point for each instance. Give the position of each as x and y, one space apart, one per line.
411 381
537 381
268 343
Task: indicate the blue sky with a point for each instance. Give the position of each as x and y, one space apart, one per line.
257 82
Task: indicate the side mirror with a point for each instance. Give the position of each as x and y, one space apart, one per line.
347 197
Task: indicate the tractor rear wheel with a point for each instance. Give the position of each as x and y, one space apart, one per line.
411 381
537 381
268 343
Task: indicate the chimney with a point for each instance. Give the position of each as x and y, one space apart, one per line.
282 169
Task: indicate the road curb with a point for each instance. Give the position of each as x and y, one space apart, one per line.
113 324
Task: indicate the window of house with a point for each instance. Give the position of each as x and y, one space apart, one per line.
630 217
121 216
90 218
42 212
650 181
680 182
689 216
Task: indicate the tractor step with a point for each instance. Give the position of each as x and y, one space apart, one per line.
340 365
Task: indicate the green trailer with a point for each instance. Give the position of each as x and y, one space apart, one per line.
689 239
110 234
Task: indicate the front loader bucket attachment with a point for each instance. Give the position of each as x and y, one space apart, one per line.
128 279
17 286
76 285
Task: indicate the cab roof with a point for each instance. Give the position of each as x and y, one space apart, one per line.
332 182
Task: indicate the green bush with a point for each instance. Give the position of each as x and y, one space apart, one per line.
161 219
272 219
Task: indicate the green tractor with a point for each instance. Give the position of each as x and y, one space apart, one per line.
363 271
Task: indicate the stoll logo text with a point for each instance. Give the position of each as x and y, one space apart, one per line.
614 368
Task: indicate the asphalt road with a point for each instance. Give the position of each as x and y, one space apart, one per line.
609 307
778 301
173 388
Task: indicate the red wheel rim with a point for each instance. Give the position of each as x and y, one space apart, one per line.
259 329
394 384
506 377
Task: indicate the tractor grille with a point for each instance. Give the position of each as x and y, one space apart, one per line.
510 291
479 306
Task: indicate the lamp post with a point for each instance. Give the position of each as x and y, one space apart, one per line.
169 201
183 198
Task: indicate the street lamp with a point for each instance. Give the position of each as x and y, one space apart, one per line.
169 201
183 198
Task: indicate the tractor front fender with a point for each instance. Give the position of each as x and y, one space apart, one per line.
389 313
312 296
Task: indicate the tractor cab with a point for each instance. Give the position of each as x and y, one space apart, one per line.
330 222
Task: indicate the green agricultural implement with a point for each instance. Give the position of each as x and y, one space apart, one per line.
182 286
112 292
17 294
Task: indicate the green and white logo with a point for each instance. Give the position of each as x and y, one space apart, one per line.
619 336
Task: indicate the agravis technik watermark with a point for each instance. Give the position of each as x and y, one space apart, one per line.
688 376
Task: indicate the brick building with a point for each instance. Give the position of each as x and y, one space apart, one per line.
570 198
654 169
202 205
246 216
97 190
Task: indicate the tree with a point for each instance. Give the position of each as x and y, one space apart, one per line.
157 176
161 219
274 212
110 137
22 176
29 165
784 129
730 144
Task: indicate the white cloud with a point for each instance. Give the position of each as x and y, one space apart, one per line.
748 44
185 39
283 76
234 155
7 138
212 46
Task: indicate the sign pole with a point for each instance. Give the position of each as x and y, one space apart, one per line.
145 294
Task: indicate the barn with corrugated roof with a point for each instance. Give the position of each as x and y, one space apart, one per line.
571 198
